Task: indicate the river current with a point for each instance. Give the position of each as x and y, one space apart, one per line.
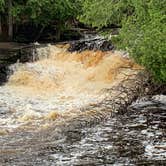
42 95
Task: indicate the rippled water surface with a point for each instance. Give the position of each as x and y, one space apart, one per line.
138 137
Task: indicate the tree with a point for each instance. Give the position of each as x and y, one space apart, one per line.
10 21
6 6
0 27
105 12
43 13
40 13
143 36
2 3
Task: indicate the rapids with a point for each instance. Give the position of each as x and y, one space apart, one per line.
58 85
71 109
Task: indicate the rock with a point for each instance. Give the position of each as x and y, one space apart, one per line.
95 43
11 53
3 132
3 73
158 101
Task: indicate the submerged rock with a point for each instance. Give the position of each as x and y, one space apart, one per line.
3 73
158 101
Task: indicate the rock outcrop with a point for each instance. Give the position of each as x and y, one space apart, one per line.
94 43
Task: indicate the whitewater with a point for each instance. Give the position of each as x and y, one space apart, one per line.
58 86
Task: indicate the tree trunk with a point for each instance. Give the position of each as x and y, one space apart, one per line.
10 21
58 31
0 28
39 34
58 34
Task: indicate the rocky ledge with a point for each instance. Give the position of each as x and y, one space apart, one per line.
92 43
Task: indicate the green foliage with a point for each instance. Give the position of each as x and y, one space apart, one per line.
144 36
105 12
42 13
45 12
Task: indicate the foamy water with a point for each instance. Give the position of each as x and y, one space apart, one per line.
58 86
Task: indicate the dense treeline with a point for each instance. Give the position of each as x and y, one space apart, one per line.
142 22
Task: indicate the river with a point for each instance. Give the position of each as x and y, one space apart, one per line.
40 97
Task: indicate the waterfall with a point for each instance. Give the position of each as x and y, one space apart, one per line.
58 84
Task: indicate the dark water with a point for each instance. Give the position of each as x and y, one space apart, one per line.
135 137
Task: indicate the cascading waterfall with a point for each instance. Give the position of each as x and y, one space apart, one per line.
57 85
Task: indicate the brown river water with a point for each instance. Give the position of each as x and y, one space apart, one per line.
42 96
